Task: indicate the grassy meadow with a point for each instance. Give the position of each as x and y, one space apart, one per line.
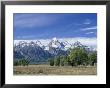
54 70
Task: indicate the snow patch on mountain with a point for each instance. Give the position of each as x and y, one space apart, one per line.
63 43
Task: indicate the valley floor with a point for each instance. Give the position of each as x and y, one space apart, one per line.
54 70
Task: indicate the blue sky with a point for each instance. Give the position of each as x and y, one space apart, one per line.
28 26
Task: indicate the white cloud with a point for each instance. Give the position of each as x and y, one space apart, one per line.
89 33
34 20
89 28
86 22
83 40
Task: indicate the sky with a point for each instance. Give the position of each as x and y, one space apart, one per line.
31 26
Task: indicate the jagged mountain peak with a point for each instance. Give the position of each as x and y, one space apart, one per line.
77 44
39 43
55 43
54 39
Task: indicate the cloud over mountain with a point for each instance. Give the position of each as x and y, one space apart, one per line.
92 42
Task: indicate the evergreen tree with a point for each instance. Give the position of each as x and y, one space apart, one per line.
22 62
51 62
57 61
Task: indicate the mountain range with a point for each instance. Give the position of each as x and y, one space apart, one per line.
35 51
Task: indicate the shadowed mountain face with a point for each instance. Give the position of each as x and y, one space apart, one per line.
36 52
33 52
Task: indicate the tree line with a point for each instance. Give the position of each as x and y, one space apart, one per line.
21 62
77 56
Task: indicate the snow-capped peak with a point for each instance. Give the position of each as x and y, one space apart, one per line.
77 44
64 43
56 44
39 43
54 39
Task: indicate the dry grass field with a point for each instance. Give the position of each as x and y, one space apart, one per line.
53 70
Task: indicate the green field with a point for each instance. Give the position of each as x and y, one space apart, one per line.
54 70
